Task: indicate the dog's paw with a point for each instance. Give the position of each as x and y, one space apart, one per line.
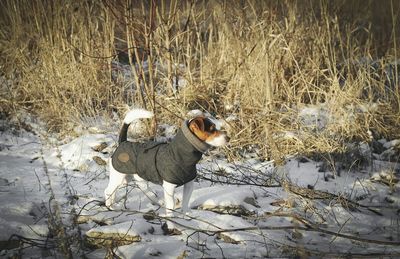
114 206
107 204
110 206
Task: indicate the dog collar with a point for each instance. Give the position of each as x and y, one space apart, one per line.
201 146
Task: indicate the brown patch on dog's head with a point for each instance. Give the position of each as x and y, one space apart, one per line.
207 131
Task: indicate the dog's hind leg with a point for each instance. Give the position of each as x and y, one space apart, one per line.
116 180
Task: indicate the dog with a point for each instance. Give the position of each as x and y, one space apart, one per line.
170 164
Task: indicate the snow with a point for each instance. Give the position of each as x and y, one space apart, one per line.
77 154
220 196
239 209
314 117
131 228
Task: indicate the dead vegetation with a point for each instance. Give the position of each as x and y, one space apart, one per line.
258 63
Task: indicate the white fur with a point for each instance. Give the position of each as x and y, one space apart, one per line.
136 114
218 141
116 179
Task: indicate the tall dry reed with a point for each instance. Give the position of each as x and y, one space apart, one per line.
263 64
48 50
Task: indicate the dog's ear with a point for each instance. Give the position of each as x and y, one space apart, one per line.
197 124
197 127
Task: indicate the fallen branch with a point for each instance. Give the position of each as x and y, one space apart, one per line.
307 227
322 195
258 178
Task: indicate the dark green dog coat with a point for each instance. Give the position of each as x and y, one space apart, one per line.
174 162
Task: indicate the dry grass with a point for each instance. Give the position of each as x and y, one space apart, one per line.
49 75
261 61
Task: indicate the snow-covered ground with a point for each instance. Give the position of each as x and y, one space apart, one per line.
51 195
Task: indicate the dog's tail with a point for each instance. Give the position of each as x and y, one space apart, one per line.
130 117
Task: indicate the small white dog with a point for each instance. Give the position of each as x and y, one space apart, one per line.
169 164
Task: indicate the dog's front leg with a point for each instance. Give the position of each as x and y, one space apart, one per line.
169 198
187 193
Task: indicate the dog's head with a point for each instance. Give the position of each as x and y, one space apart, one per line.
207 131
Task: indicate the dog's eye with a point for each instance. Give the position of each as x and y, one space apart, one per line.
213 128
209 126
